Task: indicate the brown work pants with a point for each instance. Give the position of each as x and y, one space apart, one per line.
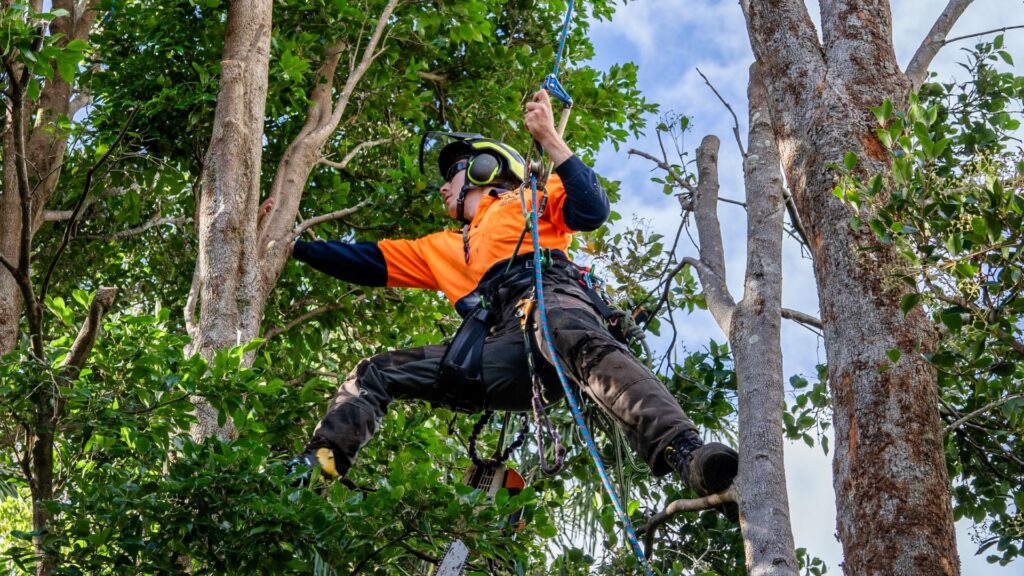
591 357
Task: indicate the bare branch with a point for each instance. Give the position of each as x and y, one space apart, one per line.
57 215
794 217
735 120
678 179
970 415
9 265
711 267
650 528
800 317
328 217
155 221
325 309
716 293
432 76
87 187
986 32
82 346
364 62
917 70
79 101
353 152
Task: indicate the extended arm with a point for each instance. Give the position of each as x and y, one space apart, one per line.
359 263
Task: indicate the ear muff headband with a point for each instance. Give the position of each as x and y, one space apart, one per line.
516 166
483 169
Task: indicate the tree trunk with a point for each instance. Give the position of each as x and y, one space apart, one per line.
241 256
45 145
892 489
755 338
227 268
10 235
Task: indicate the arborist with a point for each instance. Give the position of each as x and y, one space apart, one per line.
488 364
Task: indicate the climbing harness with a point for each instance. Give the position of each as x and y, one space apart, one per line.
552 85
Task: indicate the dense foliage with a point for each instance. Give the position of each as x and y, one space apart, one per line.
133 493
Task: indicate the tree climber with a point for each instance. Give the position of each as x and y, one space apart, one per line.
486 366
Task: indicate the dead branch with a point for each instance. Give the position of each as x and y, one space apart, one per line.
432 76
353 152
153 222
83 344
328 217
711 265
971 415
735 120
650 528
802 318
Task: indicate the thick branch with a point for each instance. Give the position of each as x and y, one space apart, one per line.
917 70
716 293
709 232
328 217
680 506
971 415
353 152
82 346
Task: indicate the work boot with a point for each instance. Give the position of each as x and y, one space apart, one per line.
707 468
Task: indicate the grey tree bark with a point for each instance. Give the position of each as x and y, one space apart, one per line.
241 255
753 329
755 337
892 490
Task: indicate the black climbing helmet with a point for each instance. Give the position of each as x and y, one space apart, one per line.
488 162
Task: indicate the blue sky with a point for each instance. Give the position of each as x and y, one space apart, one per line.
669 40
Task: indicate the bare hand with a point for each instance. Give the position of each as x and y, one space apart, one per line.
540 121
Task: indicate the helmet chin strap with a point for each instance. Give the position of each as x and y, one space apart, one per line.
460 204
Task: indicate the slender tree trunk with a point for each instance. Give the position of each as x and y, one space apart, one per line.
10 235
45 145
755 338
892 489
226 270
240 255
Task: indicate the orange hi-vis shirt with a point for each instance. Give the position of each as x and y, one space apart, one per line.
576 202
438 262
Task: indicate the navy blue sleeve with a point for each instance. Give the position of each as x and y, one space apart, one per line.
359 263
586 204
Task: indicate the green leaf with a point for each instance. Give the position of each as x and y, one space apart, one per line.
909 301
893 354
850 160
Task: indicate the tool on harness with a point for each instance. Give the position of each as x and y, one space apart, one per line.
541 420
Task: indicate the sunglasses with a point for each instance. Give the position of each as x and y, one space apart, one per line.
455 169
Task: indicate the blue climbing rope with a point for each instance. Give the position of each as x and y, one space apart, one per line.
552 85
